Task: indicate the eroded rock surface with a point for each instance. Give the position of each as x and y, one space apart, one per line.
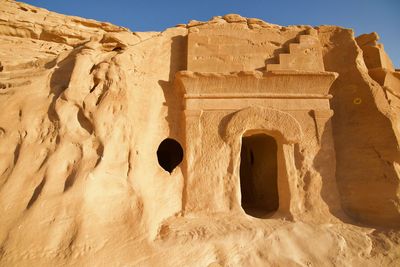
290 141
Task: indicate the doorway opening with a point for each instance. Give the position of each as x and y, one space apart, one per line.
259 175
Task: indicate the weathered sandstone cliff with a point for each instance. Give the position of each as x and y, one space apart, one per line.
85 105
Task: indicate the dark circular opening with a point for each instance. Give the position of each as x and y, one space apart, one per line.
169 154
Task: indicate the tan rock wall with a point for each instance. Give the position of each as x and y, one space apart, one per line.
84 106
365 142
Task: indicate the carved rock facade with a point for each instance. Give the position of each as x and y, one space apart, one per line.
231 142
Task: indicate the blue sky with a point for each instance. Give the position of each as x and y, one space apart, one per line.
364 16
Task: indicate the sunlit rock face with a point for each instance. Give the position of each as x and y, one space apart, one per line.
232 142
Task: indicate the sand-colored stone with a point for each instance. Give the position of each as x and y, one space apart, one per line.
305 119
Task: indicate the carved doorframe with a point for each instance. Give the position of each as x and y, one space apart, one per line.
287 132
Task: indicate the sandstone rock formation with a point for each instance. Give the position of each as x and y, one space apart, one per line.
232 142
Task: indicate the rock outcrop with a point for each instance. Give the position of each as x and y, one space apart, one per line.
232 142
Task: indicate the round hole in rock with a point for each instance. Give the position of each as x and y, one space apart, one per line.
169 154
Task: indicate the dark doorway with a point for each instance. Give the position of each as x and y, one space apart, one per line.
259 175
169 154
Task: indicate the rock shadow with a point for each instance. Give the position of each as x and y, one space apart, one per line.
59 81
329 187
174 98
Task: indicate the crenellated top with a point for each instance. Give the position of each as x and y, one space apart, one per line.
233 47
306 55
